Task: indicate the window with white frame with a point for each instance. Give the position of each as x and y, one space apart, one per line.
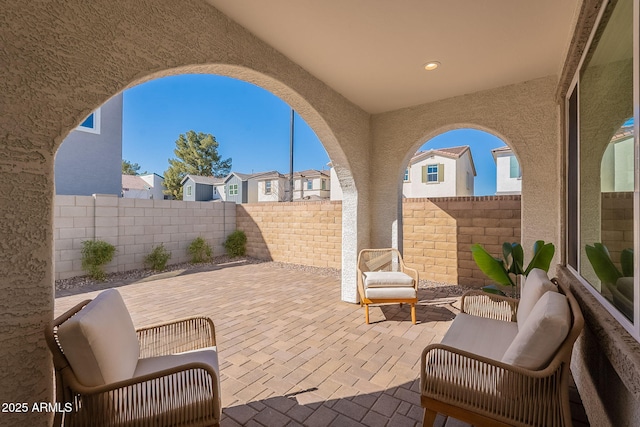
189 190
432 173
601 188
514 167
92 123
406 175
233 189
309 184
267 187
324 184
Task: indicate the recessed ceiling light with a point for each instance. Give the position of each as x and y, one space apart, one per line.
431 65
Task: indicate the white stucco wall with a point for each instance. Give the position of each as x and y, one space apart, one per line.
504 183
445 188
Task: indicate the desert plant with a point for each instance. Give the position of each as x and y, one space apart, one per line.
158 258
605 269
95 254
505 271
236 244
199 250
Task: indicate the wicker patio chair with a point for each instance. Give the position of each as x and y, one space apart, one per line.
384 278
487 392
109 374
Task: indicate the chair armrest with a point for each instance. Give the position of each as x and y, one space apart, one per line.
176 337
181 393
411 272
513 395
482 304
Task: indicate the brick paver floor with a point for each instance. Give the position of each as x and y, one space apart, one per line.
291 353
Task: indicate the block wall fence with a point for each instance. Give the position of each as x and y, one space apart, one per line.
134 227
437 232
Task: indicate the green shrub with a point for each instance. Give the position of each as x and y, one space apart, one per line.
236 243
95 254
158 258
199 250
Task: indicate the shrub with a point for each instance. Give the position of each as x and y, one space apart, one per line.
95 254
199 250
236 243
158 258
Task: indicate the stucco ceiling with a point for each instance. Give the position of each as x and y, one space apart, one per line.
373 51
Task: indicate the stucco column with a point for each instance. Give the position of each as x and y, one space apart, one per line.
26 271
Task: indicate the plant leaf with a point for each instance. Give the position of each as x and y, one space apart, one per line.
542 256
492 267
518 259
604 268
626 262
493 289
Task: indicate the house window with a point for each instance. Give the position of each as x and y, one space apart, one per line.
432 173
324 184
469 181
267 187
406 175
514 168
601 181
189 190
309 184
92 123
233 189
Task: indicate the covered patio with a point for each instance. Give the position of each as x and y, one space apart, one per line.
290 354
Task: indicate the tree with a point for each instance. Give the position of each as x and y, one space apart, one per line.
197 154
129 168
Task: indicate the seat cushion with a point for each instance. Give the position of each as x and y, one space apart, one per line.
100 341
536 284
385 279
479 335
393 292
540 336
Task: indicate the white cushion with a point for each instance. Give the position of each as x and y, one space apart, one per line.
479 335
384 279
536 284
540 336
393 292
100 341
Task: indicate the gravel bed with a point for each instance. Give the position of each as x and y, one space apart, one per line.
135 275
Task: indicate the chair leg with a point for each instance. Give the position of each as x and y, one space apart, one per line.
429 418
413 314
366 313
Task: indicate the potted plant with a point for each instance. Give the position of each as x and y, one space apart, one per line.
506 271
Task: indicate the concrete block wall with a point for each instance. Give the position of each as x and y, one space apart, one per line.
617 223
308 233
134 227
438 234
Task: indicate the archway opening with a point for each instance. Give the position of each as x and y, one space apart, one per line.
461 187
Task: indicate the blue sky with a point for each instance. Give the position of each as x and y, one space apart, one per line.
251 126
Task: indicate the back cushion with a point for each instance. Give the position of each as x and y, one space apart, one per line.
534 287
541 335
100 341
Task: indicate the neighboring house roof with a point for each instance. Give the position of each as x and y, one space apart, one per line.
451 152
501 150
310 173
259 175
134 182
148 174
208 180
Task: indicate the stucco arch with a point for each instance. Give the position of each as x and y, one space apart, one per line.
61 60
523 115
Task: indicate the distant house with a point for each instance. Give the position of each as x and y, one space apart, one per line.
197 188
508 173
150 186
617 166
89 160
272 187
311 184
442 172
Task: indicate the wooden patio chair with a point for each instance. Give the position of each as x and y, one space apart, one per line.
384 278
109 374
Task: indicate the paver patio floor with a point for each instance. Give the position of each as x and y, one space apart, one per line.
291 353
